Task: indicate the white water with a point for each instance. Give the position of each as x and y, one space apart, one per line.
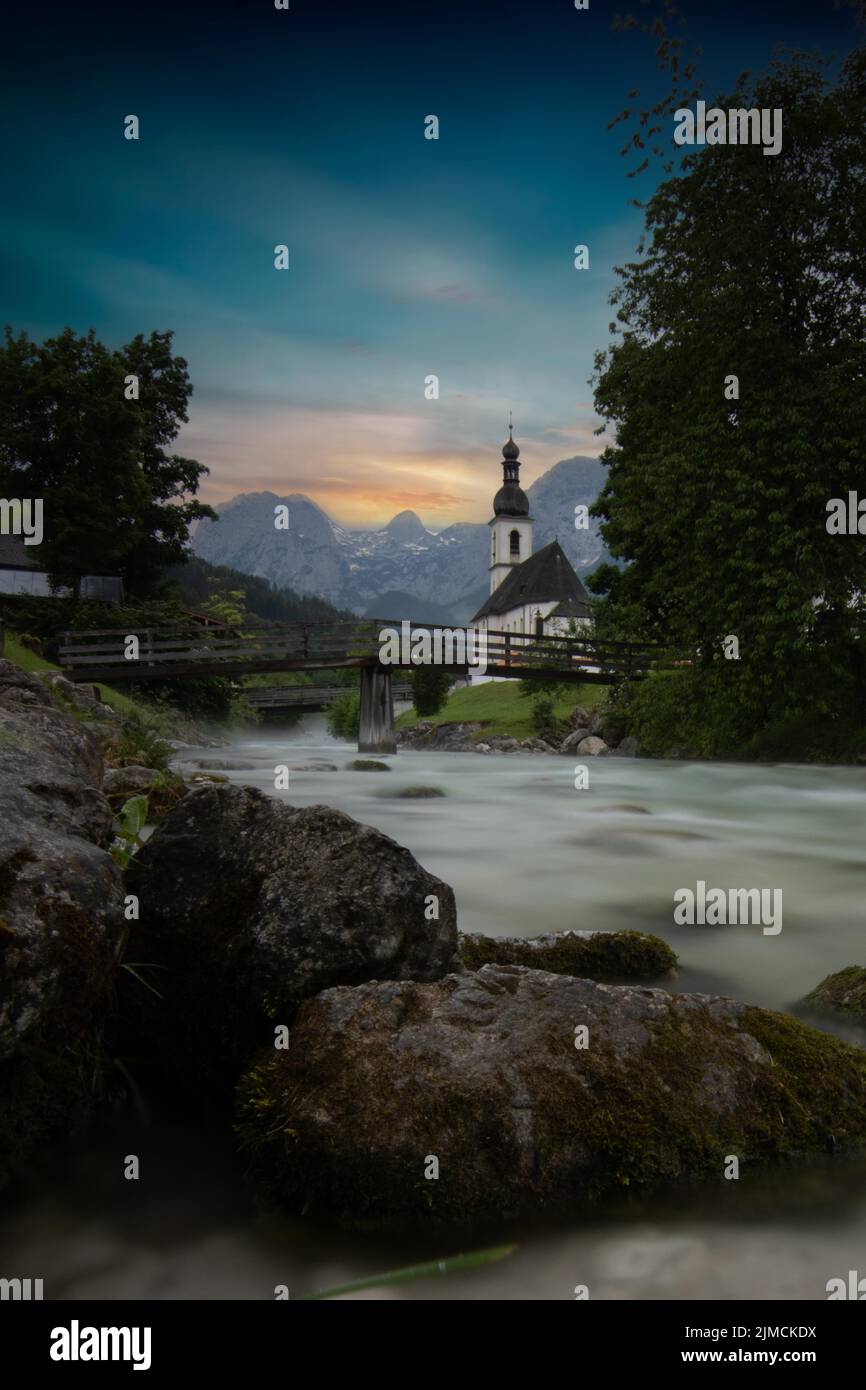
527 853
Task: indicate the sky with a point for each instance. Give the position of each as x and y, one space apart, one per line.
408 257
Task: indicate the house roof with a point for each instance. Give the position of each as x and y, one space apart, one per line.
15 555
547 576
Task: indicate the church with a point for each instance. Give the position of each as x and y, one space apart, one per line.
537 594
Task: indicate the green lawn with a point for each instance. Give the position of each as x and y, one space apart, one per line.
501 708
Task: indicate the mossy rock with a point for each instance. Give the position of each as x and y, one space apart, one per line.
484 1070
597 955
367 765
842 995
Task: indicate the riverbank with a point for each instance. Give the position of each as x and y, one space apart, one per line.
608 857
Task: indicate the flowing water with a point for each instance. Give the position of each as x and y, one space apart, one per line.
525 853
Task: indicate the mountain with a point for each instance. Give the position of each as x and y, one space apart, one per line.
360 570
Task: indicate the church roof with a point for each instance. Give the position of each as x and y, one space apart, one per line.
546 577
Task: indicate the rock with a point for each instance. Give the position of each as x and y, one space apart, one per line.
537 745
451 736
53 761
84 698
368 765
61 920
503 743
223 765
594 955
483 748
249 906
592 747
571 742
18 689
482 1070
579 718
607 724
842 995
312 767
413 793
128 781
627 748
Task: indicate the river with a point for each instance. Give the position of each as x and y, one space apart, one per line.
525 852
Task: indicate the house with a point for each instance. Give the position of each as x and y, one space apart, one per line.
533 594
20 573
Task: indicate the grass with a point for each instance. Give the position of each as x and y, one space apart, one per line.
455 1264
30 661
501 708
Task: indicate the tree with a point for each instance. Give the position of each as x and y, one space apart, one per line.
429 689
226 605
116 501
756 268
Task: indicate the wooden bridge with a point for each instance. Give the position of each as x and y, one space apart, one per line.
191 652
308 697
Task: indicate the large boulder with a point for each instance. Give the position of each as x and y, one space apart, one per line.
594 955
61 919
488 1074
249 906
592 747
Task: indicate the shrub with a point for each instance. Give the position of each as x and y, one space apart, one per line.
543 710
138 744
344 716
429 689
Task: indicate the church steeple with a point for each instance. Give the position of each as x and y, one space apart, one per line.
511 538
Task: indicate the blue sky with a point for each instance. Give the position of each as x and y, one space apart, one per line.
408 256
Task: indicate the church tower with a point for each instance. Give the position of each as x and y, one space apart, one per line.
511 525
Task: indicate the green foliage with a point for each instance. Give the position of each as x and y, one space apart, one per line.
755 267
225 605
344 716
131 821
429 689
455 1264
117 501
139 745
47 618
543 710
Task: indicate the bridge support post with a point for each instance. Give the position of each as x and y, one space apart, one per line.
376 726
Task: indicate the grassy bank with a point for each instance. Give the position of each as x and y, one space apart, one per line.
501 709
162 719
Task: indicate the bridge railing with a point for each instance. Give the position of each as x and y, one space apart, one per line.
167 653
177 650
